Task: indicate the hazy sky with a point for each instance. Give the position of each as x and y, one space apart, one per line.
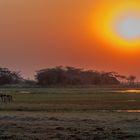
36 34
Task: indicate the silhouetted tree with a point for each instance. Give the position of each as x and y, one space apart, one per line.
131 79
74 76
108 78
121 77
9 77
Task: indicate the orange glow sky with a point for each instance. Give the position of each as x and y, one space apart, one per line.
36 34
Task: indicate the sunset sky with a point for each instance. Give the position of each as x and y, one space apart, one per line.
91 34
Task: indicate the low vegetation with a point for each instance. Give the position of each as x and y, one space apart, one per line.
70 100
69 114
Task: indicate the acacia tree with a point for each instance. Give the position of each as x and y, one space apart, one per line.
109 78
120 77
131 79
9 77
74 76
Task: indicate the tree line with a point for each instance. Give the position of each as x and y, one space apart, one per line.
62 76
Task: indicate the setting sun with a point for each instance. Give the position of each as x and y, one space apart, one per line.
117 24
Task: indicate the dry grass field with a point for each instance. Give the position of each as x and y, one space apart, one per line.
70 114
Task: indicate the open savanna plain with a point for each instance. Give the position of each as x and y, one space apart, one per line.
70 114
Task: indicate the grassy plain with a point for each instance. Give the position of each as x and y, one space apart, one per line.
69 100
69 114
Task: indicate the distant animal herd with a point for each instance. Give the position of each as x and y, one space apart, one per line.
6 98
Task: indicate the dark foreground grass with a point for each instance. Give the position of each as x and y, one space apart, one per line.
17 125
69 114
69 100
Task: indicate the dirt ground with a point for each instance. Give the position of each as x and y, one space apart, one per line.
69 126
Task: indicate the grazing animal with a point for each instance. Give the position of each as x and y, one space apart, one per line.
9 98
6 98
2 96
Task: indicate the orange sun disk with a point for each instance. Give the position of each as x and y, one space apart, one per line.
104 18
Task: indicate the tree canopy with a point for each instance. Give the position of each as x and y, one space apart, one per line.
9 77
74 76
